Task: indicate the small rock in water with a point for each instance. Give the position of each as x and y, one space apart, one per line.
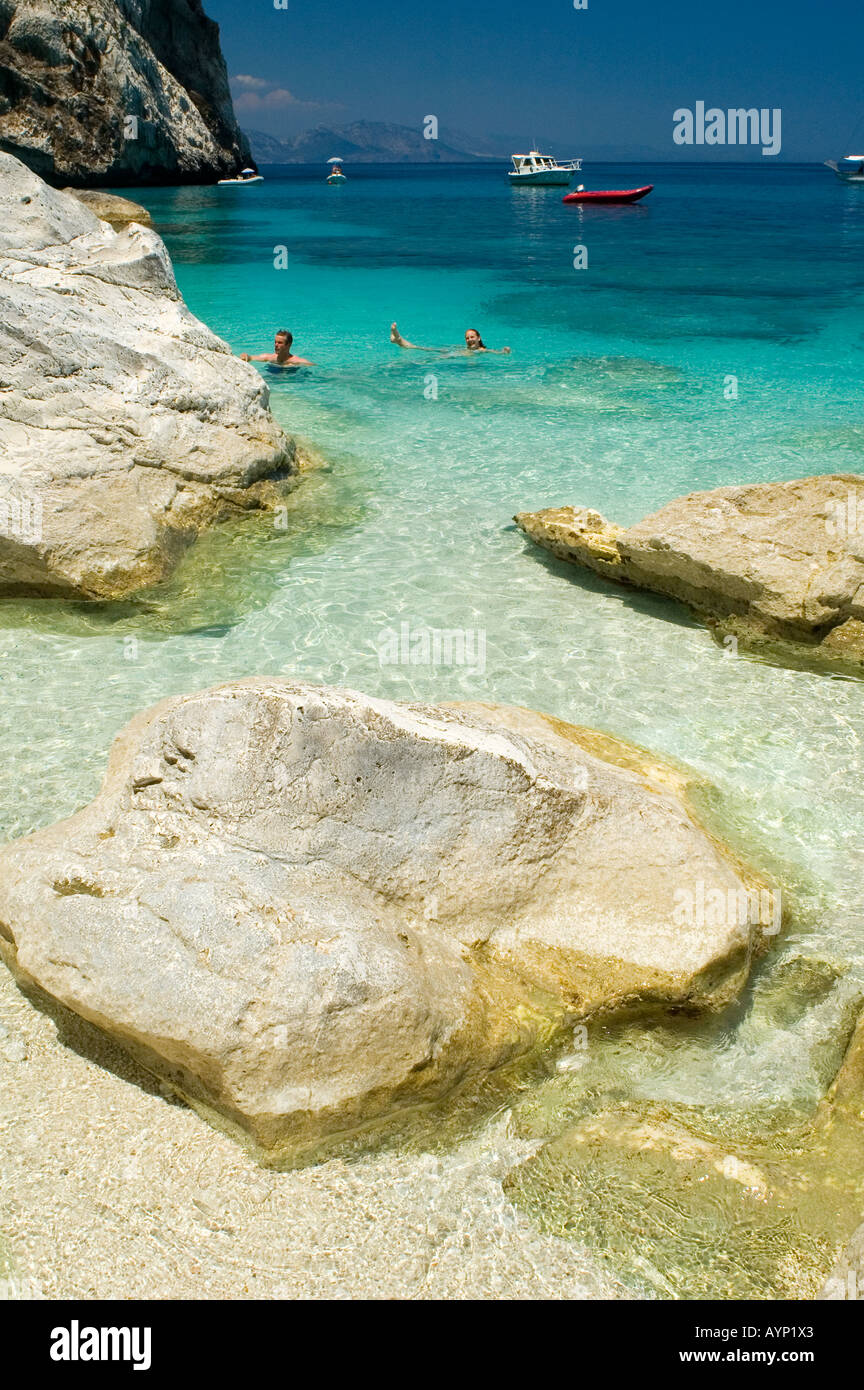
13 1049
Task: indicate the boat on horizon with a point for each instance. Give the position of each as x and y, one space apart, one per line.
538 169
336 175
850 169
607 195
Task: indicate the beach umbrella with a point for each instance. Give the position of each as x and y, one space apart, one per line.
335 160
247 171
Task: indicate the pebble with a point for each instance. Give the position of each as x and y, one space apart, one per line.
12 1048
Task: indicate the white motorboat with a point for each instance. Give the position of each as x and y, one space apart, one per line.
245 176
538 169
850 169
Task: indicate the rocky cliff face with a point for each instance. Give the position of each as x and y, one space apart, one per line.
116 92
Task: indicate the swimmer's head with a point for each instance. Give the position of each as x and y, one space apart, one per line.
473 341
283 340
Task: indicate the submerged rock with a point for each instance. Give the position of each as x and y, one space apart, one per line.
693 1203
636 373
116 92
777 564
126 426
306 908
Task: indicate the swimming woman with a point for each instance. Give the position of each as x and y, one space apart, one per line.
473 343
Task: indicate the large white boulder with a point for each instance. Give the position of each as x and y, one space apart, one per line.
306 908
126 426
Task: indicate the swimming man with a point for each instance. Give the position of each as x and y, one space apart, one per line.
282 354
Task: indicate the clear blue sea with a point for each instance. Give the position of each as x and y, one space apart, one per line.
616 394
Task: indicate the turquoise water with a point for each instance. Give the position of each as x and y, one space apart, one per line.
617 394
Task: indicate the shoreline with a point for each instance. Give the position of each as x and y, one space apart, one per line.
166 1207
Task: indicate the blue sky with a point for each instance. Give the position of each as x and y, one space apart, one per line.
602 79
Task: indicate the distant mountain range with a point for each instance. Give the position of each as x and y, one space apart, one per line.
376 142
365 142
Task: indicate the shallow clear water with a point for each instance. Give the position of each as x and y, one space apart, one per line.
617 394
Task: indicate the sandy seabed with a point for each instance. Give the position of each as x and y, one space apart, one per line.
110 1190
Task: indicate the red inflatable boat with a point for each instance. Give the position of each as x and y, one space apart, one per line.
616 195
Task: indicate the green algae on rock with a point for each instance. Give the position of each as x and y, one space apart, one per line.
117 212
307 909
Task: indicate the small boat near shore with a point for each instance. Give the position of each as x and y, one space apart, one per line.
245 176
608 195
336 175
538 170
850 169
